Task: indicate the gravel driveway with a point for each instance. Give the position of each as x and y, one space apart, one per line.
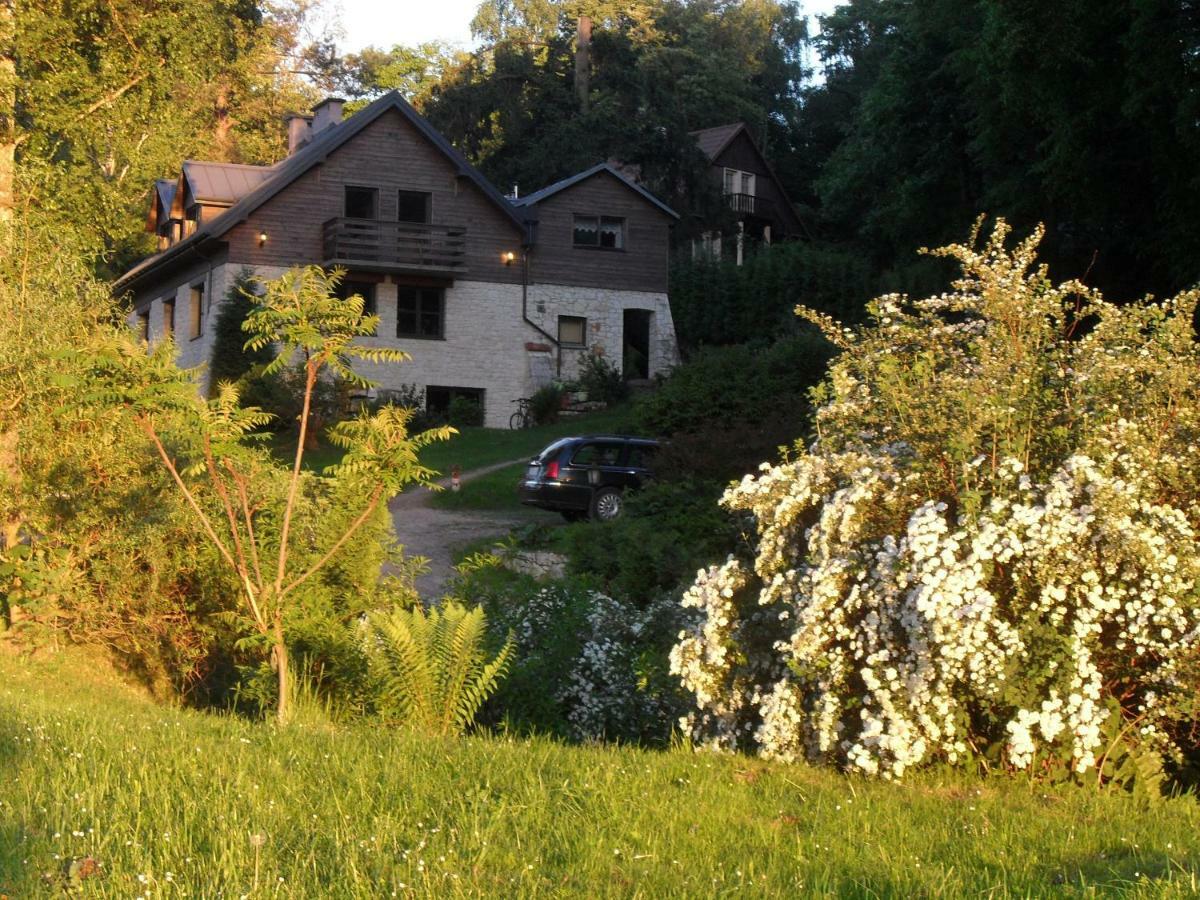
438 533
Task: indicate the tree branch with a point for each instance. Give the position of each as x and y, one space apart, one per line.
378 493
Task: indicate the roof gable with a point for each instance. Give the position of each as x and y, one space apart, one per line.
714 140
278 177
536 197
222 184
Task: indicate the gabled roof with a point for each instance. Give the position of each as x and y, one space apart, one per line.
164 196
222 183
283 173
713 140
550 190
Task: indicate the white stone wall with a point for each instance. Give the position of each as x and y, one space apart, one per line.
485 337
604 310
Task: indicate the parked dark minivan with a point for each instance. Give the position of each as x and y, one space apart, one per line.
587 476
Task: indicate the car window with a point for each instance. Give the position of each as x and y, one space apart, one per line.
597 455
641 456
552 451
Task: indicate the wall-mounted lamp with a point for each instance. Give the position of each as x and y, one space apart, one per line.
508 257
262 238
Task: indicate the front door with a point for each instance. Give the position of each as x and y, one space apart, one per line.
635 356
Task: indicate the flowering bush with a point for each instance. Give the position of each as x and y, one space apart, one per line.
989 546
588 666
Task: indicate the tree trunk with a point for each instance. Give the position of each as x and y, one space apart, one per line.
223 130
12 537
583 60
8 109
284 711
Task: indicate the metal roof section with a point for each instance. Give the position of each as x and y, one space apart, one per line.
311 155
163 197
713 140
550 190
222 184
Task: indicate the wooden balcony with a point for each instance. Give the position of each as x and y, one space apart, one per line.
382 246
750 205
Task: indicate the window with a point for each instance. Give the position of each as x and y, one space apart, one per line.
572 331
169 318
597 455
143 325
196 311
641 456
420 312
739 182
438 398
414 206
600 231
364 289
707 246
361 202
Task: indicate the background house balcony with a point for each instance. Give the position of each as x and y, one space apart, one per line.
383 246
750 205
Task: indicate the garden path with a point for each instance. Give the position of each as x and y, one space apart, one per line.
436 534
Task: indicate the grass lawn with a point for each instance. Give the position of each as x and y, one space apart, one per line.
472 448
495 490
183 804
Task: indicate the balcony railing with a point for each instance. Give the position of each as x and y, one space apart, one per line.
395 246
751 205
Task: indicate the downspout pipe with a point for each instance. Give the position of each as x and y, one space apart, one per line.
525 307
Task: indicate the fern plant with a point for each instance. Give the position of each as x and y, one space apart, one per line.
431 670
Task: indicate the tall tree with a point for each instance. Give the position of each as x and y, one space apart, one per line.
110 94
1081 114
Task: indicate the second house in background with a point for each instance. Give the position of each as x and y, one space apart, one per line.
493 297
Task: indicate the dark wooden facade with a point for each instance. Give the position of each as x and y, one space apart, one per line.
640 266
389 155
770 204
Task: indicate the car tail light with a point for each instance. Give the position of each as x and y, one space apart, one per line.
552 469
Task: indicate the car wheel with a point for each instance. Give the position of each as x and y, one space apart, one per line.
573 515
606 504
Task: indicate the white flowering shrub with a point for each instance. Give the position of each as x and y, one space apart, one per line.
989 547
589 666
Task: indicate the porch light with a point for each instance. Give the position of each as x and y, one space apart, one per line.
262 238
508 257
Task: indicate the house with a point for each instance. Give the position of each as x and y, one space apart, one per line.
760 205
491 297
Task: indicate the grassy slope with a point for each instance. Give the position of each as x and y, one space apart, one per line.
493 491
476 447
174 797
472 448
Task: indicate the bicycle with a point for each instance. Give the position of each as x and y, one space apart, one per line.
523 417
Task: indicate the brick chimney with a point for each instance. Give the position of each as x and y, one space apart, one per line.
326 113
299 129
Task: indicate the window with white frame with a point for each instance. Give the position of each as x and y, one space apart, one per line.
739 182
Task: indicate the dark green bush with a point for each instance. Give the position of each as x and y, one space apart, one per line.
668 530
588 665
721 303
230 359
602 381
724 387
546 403
464 412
